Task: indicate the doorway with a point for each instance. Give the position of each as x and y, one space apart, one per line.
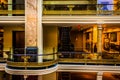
18 43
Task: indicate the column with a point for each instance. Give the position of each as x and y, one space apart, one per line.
9 6
39 77
99 75
31 23
40 31
99 40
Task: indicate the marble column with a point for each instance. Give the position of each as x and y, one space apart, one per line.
99 75
31 20
99 40
39 77
33 25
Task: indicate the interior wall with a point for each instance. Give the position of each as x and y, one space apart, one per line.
50 36
7 40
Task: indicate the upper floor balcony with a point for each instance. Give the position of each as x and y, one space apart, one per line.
64 8
12 9
79 8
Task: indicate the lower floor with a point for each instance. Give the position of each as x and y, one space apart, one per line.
63 76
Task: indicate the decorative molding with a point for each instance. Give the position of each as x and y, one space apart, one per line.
31 72
31 64
80 19
2 66
88 68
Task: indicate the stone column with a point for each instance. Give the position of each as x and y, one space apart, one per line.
99 40
99 75
31 16
33 25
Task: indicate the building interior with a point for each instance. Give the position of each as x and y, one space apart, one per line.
59 40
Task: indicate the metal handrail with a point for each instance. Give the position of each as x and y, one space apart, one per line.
81 9
17 9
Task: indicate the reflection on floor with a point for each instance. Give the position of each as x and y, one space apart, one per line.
87 76
77 76
111 76
83 76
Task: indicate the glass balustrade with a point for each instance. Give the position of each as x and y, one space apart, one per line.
81 9
82 57
19 58
16 59
68 9
12 9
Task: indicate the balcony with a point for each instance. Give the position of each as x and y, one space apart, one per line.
80 9
31 61
12 10
24 63
83 58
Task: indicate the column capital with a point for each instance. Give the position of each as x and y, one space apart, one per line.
99 26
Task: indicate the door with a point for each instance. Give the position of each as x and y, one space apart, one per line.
18 44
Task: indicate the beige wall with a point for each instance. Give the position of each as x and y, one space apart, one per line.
8 35
50 36
51 76
7 40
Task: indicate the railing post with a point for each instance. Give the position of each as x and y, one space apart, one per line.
25 60
70 8
99 10
9 6
44 9
11 53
